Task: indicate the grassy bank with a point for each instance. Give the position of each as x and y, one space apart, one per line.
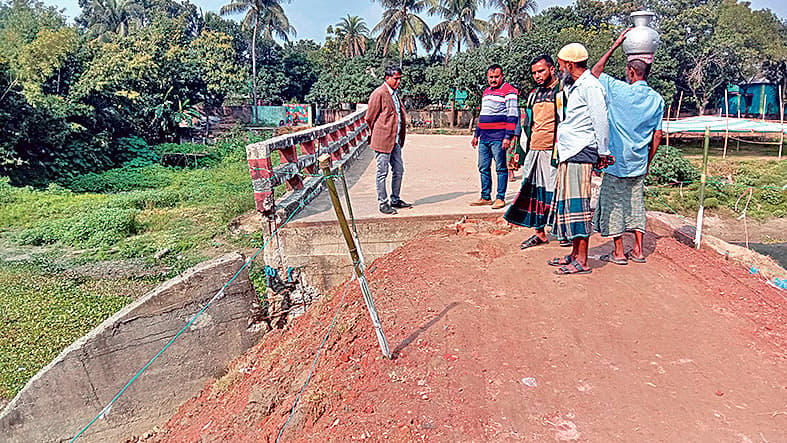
728 184
69 260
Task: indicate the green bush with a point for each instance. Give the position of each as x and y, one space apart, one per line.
670 166
712 203
773 196
180 148
122 179
134 152
97 228
6 191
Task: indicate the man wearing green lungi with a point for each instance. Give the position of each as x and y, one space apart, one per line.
635 111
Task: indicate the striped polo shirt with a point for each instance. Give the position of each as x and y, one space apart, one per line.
499 114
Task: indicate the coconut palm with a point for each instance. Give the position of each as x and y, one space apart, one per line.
107 17
274 23
494 32
459 25
265 14
402 24
352 33
514 16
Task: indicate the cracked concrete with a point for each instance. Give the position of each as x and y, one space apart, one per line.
69 392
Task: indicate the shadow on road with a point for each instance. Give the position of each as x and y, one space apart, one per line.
440 198
648 244
406 342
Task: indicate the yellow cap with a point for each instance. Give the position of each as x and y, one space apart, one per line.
573 52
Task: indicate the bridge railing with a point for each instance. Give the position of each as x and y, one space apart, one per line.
297 159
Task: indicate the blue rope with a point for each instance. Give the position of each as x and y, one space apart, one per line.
218 295
316 357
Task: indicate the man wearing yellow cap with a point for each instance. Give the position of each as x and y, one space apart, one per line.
582 142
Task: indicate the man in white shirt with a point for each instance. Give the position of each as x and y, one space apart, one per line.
582 142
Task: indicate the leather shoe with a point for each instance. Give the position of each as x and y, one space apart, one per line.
481 202
401 204
385 208
498 204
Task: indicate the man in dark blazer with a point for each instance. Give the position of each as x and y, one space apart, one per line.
386 119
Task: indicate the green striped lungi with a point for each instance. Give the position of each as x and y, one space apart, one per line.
621 206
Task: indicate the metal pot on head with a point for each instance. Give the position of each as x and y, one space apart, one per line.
642 39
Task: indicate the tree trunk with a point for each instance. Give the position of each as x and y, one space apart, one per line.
254 73
401 31
207 123
453 108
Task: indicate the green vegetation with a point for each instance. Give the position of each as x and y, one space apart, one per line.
728 181
42 313
669 166
44 305
139 210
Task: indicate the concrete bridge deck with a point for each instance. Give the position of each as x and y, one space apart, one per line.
440 179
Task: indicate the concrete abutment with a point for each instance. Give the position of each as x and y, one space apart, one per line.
69 392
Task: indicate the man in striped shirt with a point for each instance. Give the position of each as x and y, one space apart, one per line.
496 125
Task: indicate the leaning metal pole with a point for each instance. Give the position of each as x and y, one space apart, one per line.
703 179
350 213
357 263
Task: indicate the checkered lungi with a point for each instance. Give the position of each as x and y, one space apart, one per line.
621 206
571 212
532 206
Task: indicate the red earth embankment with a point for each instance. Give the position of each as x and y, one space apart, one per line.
491 346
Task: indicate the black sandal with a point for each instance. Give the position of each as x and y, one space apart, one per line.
572 268
560 261
532 241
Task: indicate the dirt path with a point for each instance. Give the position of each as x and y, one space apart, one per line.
491 346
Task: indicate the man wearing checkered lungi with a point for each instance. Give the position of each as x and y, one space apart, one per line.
582 142
635 111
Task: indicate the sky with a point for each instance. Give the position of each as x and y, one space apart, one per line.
311 17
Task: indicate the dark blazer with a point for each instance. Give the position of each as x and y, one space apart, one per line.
381 118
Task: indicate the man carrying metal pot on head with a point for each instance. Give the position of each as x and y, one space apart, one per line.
635 112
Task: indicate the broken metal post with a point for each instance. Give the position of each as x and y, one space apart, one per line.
325 166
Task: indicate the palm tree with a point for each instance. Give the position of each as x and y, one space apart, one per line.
514 16
266 13
274 23
459 24
107 17
352 33
401 23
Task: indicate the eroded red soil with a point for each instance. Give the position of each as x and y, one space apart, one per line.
491 346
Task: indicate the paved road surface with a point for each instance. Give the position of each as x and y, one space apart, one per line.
441 178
